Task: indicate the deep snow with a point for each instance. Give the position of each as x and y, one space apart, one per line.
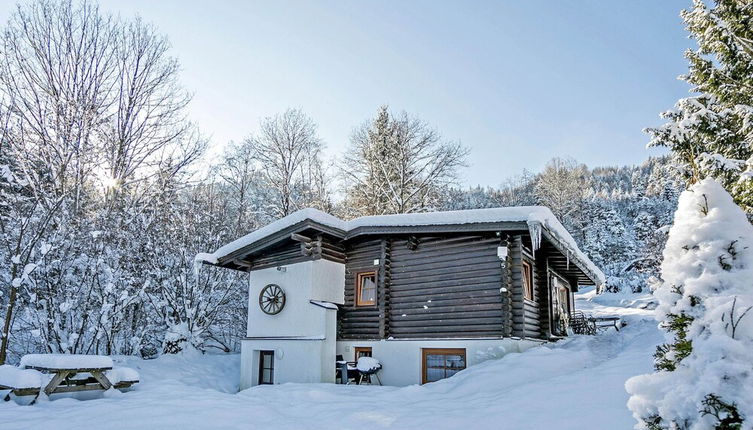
573 384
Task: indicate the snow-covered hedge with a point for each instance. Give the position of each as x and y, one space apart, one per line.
704 376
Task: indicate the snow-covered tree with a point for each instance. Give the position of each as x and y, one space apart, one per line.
397 164
562 188
95 149
711 133
704 376
606 238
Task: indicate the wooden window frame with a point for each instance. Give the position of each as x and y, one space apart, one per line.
526 271
359 285
271 368
440 351
359 349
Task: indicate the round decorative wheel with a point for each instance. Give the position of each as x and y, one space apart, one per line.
272 299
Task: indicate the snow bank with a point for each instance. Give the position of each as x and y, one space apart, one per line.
12 376
706 272
537 218
65 361
576 384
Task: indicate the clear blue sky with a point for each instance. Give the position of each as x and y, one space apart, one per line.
519 82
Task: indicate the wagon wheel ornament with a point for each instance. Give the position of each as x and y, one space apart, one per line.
272 299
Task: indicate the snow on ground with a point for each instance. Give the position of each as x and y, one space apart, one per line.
577 383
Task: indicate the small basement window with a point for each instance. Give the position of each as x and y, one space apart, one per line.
527 280
441 363
366 288
362 351
266 367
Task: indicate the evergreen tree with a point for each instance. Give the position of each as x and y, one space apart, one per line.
711 134
704 376
397 164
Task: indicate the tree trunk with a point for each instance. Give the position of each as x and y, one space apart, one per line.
8 317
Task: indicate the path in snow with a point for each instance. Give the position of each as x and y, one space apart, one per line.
574 384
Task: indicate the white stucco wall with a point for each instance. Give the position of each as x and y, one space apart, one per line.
303 334
401 359
295 360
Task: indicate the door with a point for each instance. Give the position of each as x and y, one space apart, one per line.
560 306
266 367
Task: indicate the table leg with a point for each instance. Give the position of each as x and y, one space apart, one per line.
55 381
102 379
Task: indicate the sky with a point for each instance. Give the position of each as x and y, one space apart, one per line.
518 82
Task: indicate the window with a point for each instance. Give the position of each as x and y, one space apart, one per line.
527 280
442 363
362 351
366 288
266 367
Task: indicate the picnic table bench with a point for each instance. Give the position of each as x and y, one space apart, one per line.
63 373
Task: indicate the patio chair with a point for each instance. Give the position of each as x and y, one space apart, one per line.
368 366
346 371
581 324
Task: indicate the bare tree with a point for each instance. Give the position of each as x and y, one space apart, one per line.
56 70
288 151
398 164
242 177
149 121
88 100
562 187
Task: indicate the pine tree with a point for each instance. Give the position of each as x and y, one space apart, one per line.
704 376
397 164
711 134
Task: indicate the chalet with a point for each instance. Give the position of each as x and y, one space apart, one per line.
426 294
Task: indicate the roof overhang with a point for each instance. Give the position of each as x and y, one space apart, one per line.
583 271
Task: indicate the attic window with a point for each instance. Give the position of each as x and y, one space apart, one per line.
366 287
527 281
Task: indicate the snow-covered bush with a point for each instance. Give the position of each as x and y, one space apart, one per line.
704 376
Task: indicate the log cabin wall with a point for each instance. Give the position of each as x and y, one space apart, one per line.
361 322
445 286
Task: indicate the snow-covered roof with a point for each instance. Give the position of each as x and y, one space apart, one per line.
539 219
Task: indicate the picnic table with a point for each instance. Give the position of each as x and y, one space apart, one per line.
64 373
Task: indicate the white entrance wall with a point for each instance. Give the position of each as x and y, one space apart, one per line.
303 334
401 359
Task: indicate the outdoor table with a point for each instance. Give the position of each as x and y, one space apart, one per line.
64 381
70 373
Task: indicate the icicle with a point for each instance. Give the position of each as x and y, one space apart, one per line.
534 229
567 255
